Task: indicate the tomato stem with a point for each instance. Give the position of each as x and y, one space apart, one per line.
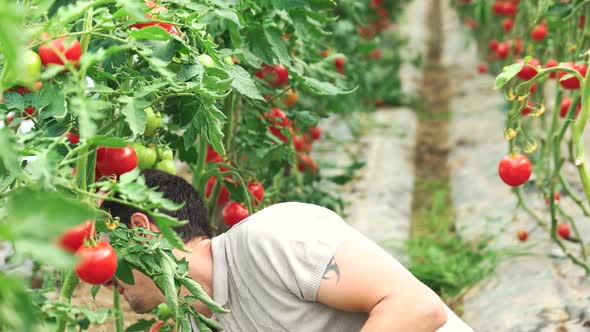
117 312
198 173
70 282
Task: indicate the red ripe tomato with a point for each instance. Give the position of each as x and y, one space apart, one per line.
233 213
51 51
522 235
581 21
325 53
223 193
367 31
298 143
278 120
515 170
552 63
170 28
212 155
527 110
529 70
97 264
539 32
482 68
563 230
306 164
572 83
156 326
376 54
565 106
498 8
470 22
493 44
339 63
115 161
502 50
507 24
517 46
73 238
275 75
533 87
316 132
376 3
383 13
257 190
508 8
73 138
557 198
29 111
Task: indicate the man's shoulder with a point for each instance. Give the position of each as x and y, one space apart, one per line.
284 219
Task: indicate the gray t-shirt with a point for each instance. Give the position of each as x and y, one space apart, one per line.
267 270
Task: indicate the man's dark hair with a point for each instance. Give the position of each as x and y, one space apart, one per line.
178 191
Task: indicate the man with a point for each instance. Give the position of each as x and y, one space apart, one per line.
289 267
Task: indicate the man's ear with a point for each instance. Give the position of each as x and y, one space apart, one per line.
139 219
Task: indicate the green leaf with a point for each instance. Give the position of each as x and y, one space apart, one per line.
14 100
508 73
136 10
290 4
164 222
168 285
8 155
154 32
55 100
53 212
200 294
12 40
94 290
306 118
214 119
129 176
124 272
324 88
107 141
42 250
135 115
243 82
278 44
229 14
188 71
258 43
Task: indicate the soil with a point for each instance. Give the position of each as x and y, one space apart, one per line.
432 137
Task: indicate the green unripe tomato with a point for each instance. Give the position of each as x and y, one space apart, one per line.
206 60
165 153
153 121
164 311
167 166
229 60
147 159
32 70
32 66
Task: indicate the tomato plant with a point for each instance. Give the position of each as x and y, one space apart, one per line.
109 88
556 34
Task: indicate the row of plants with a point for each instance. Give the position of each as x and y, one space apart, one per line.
93 92
537 50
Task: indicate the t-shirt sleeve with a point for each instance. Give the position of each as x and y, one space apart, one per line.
293 243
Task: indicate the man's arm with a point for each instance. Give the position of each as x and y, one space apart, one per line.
362 277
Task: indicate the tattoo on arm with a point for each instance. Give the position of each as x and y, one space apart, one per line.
332 270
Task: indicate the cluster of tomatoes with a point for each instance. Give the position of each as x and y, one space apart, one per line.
59 51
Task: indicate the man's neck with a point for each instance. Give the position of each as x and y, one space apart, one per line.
200 268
